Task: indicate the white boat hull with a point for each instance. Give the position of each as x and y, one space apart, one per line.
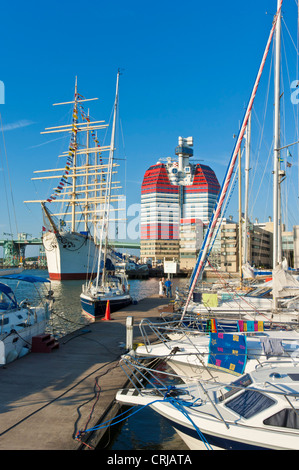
70 255
208 431
190 359
16 340
15 345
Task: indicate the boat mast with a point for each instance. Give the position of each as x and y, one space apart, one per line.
247 159
240 216
74 139
276 208
105 221
276 216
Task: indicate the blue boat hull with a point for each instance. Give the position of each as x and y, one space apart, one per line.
216 441
97 307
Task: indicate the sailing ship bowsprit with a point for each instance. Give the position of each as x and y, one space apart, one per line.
70 227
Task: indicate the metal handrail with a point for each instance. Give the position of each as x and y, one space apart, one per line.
149 373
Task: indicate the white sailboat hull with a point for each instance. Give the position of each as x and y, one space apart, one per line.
70 255
18 327
201 427
17 344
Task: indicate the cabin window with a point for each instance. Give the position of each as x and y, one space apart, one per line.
294 377
249 403
287 418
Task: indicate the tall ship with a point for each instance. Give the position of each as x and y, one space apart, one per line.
72 213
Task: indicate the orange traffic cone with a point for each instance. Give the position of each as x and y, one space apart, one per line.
107 313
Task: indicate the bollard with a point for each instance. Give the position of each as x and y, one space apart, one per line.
129 328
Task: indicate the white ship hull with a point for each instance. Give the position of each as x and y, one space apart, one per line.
70 255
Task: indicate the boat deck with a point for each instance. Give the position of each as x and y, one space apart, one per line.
46 398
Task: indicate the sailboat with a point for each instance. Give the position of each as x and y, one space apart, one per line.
204 252
21 320
218 355
110 289
257 411
70 228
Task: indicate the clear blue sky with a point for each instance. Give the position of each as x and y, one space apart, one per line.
188 69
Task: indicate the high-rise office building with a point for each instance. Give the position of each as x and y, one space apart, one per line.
173 191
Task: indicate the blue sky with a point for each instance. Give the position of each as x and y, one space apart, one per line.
188 69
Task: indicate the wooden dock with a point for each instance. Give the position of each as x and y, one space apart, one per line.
46 398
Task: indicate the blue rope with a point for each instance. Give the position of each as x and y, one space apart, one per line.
179 404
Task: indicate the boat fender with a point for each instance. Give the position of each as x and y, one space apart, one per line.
11 356
2 353
24 351
124 288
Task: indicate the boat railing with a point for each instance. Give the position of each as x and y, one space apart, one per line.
143 375
286 396
159 330
161 384
184 330
184 337
278 362
144 379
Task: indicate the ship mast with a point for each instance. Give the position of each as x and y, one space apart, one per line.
75 193
86 178
74 143
105 220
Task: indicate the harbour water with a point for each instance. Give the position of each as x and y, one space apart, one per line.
67 317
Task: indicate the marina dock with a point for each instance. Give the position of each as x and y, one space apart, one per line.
46 398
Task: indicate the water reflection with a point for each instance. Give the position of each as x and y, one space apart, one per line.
67 316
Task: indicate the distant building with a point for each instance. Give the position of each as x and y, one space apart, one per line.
191 237
173 194
229 246
259 246
289 245
260 243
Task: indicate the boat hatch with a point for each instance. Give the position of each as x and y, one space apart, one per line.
249 403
